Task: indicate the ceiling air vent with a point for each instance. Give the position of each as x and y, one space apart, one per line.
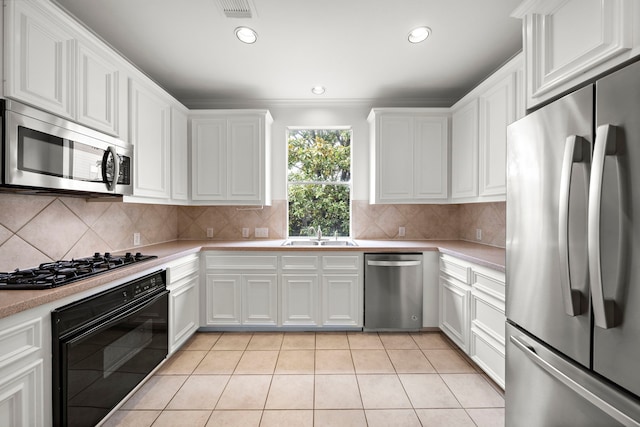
236 8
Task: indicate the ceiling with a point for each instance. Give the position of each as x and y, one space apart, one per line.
357 49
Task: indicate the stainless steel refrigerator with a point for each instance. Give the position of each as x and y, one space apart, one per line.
573 258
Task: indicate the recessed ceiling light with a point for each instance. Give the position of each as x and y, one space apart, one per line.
419 34
246 35
318 90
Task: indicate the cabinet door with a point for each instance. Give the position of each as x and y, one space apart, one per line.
497 111
430 158
179 155
21 396
40 57
223 306
244 159
454 311
260 299
340 298
464 151
150 136
183 312
299 299
208 151
395 158
99 91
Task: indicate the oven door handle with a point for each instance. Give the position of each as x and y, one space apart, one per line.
97 325
111 185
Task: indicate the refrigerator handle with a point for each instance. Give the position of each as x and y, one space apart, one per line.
605 145
529 350
574 152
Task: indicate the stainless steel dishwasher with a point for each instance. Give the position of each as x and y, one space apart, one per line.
393 291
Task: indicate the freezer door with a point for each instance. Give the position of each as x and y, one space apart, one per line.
614 236
548 161
544 389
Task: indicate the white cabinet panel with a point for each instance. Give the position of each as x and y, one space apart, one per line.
101 91
183 311
260 299
179 155
464 151
454 311
21 397
150 135
41 51
340 304
230 156
223 303
568 42
431 158
299 300
409 155
209 153
497 111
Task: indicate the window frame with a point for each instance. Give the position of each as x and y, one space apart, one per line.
348 184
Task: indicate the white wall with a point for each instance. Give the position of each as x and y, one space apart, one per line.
353 115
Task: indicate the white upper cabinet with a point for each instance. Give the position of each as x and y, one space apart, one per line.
39 57
568 42
409 155
479 135
102 91
179 154
230 161
150 115
54 64
464 150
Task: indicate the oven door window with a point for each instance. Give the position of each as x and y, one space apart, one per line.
105 363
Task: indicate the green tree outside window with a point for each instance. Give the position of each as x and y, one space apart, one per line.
319 181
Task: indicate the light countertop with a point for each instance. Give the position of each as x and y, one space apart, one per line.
12 301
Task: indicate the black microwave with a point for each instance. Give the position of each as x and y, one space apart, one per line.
43 153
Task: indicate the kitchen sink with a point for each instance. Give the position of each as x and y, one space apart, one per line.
316 242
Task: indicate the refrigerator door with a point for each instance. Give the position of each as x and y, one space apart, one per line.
545 389
548 160
614 240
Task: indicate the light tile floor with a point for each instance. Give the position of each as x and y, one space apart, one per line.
315 379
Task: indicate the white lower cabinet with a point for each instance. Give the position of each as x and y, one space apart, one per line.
300 290
25 366
299 300
472 312
183 279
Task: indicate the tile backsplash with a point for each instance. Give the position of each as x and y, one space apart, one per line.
36 229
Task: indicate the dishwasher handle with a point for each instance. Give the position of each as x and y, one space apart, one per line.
394 263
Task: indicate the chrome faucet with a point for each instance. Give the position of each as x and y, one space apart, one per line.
318 233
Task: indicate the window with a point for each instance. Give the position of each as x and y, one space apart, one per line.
319 181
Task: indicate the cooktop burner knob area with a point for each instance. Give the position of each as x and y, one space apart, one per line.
107 254
138 255
97 255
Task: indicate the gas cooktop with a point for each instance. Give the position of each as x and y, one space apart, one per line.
58 273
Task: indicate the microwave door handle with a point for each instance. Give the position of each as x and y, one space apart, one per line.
111 186
605 145
573 153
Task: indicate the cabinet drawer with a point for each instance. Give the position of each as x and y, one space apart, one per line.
300 262
488 316
489 356
19 341
340 262
183 268
454 269
490 281
240 262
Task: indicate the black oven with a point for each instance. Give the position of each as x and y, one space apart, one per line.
104 346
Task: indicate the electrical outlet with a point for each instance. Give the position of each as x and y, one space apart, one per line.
262 232
245 232
401 231
136 239
209 232
478 234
